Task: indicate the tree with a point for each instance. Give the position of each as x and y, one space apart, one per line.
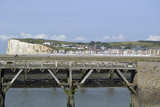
92 43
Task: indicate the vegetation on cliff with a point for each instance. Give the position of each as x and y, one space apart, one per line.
126 45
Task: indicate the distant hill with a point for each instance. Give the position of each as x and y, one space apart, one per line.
135 44
126 45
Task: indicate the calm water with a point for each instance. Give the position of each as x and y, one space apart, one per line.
48 97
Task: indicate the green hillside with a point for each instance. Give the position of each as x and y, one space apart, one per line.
143 44
126 45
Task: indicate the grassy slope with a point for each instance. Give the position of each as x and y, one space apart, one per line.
145 44
41 41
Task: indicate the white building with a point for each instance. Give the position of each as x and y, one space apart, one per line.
47 43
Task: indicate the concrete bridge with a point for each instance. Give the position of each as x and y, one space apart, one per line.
141 75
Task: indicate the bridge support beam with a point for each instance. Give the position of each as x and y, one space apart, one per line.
2 93
131 88
13 80
25 74
69 88
148 84
5 86
85 77
71 91
111 74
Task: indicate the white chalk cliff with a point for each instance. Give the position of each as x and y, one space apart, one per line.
17 47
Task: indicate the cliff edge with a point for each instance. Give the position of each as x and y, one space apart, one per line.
17 47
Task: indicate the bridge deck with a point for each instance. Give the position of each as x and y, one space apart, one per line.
76 62
65 62
79 58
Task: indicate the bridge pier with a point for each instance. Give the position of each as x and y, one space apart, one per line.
70 97
2 99
133 100
70 101
148 84
72 89
69 89
2 93
5 86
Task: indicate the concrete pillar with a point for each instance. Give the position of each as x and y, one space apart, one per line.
148 84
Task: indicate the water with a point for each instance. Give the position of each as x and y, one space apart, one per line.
51 97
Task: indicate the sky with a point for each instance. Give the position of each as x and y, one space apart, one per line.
80 20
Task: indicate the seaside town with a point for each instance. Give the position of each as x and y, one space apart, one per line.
93 49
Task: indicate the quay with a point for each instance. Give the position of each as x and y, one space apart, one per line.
141 75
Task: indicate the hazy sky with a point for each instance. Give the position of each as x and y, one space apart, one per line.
80 20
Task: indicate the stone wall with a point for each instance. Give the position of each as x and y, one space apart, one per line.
16 47
148 83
